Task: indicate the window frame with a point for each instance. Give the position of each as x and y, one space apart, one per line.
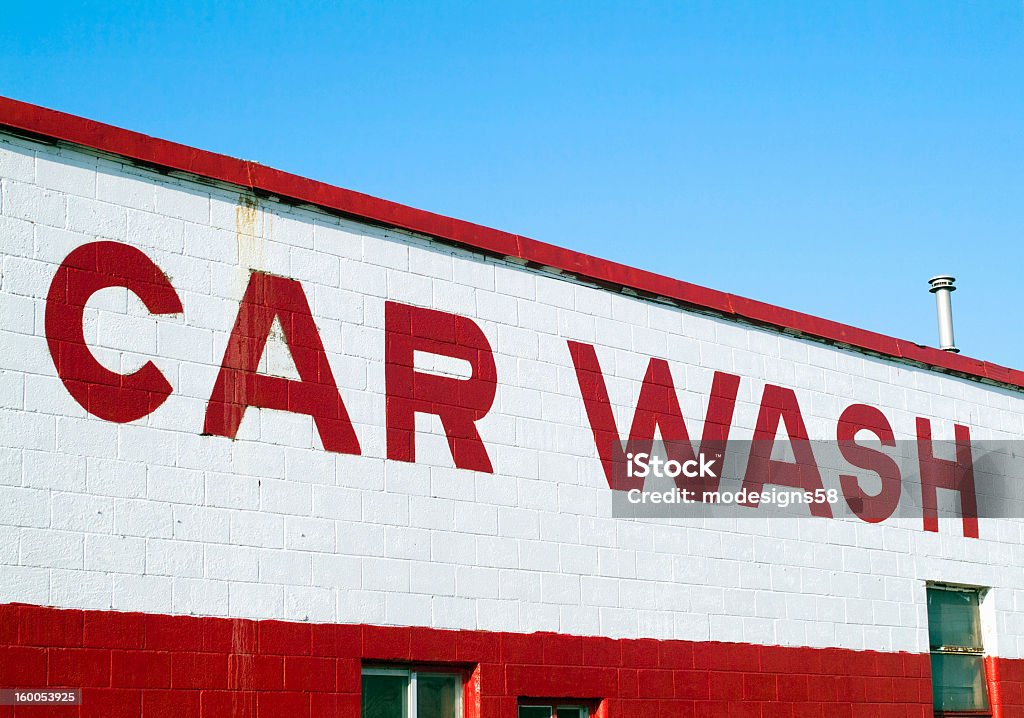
588 706
953 650
410 672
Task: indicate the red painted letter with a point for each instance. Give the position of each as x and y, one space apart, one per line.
880 506
957 475
88 269
657 406
460 403
779 404
238 385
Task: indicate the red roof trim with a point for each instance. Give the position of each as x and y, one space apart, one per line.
60 126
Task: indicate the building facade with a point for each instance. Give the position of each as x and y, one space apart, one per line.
273 448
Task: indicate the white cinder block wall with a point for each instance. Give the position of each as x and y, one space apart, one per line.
153 516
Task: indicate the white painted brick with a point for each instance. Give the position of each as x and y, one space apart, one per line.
254 600
187 274
126 190
126 332
430 262
33 203
10 467
52 549
284 497
151 594
174 558
450 612
408 543
497 615
560 588
190 205
97 219
476 582
232 491
43 394
336 571
196 523
310 466
271 525
47 470
201 241
360 539
307 603
497 552
405 610
250 457
386 508
67 177
88 589
25 584
357 606
53 245
331 239
24 506
199 452
292 568
174 485
200 597
309 266
146 229
384 574
228 212
109 477
335 502
362 278
134 517
560 528
475 519
250 528
90 437
308 534
115 554
17 163
411 289
233 563
26 277
82 513
19 240
473 272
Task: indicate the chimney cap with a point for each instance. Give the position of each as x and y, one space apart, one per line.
942 281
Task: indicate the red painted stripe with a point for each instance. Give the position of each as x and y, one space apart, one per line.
55 125
131 664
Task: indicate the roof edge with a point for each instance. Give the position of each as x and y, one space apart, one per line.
62 127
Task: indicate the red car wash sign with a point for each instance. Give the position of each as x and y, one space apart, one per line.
461 403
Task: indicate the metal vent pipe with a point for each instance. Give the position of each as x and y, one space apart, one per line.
942 287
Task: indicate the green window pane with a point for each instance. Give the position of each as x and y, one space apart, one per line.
958 682
384 696
438 695
534 711
953 619
572 712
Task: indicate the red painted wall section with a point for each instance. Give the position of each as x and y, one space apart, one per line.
132 664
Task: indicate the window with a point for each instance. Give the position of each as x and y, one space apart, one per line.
407 693
551 709
958 656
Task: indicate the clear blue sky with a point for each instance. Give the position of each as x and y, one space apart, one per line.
825 156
